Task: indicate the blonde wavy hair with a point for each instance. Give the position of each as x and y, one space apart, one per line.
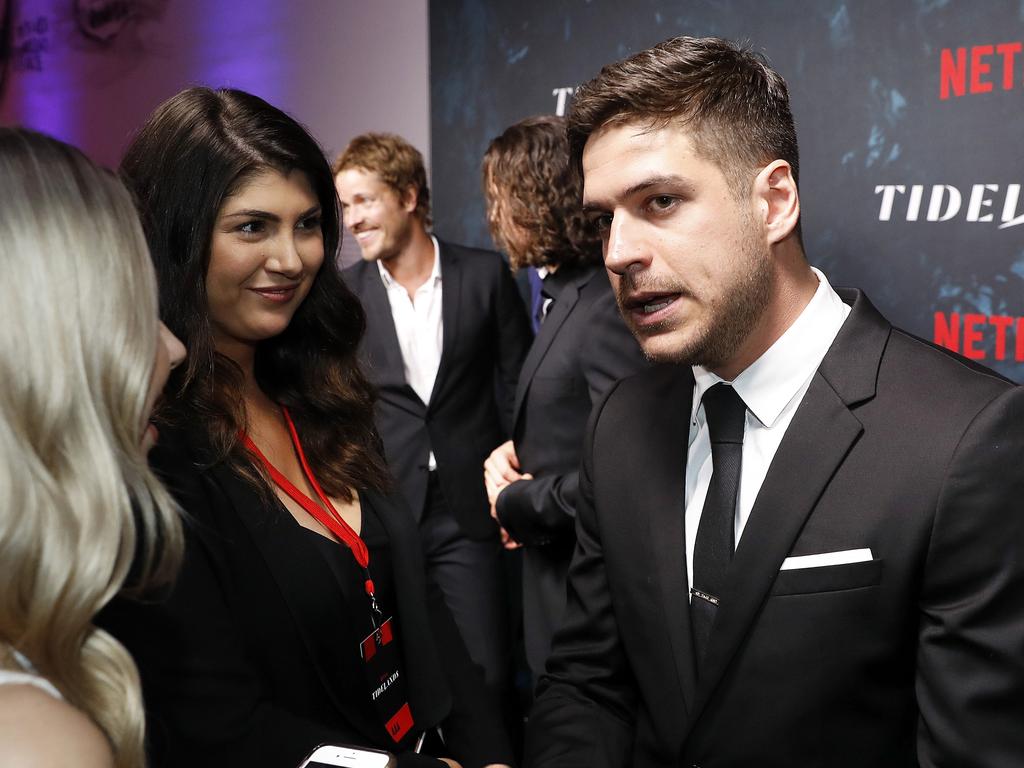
78 503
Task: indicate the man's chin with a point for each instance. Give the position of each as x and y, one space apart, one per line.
669 347
657 347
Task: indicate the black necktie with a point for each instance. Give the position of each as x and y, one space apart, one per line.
712 552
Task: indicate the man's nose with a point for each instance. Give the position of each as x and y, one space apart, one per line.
352 216
625 245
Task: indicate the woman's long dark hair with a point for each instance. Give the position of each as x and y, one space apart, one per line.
196 149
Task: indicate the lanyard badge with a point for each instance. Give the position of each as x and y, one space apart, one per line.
379 650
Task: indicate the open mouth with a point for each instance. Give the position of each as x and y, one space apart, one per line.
650 303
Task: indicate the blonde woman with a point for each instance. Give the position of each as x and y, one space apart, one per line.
83 358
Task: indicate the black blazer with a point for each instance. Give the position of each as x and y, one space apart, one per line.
233 661
583 347
485 338
915 657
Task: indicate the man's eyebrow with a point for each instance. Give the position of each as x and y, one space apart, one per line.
663 180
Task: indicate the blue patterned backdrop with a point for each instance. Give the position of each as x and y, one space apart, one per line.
910 117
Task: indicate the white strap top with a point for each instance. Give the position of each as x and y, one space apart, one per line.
27 675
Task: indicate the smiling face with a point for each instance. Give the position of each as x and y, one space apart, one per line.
687 258
379 219
266 249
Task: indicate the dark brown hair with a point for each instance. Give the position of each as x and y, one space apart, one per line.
527 178
198 148
733 102
397 162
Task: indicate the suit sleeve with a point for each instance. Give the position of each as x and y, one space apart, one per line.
584 713
540 510
512 339
970 662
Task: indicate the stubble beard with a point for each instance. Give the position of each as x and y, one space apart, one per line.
394 245
728 321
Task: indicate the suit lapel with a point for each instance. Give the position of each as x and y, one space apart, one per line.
664 426
451 293
381 340
560 311
818 439
799 473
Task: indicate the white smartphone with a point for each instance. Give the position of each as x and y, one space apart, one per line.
329 755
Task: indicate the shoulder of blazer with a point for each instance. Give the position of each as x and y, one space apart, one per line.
469 260
643 390
179 457
356 274
653 379
867 343
594 286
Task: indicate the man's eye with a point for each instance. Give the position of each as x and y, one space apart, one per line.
662 202
603 223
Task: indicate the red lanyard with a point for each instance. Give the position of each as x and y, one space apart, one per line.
326 514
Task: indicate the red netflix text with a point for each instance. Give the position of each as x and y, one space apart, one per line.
971 334
980 68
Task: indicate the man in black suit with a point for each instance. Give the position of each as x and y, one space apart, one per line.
582 347
446 336
800 538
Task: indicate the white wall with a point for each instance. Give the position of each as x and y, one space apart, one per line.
341 67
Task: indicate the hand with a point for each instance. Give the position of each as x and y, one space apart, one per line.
500 469
507 541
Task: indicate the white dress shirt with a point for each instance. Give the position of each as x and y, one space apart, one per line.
543 273
772 388
420 329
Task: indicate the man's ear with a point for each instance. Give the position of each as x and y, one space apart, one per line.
410 199
777 200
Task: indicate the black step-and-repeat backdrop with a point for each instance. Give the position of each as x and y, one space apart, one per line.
910 116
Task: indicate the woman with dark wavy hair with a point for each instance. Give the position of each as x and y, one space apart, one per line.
302 614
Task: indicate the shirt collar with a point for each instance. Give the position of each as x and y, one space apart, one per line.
435 273
769 383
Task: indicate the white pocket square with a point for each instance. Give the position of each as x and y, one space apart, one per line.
826 558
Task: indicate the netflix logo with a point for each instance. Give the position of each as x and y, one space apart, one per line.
970 334
980 68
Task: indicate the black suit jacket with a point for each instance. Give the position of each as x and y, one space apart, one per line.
915 657
583 347
485 338
234 661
